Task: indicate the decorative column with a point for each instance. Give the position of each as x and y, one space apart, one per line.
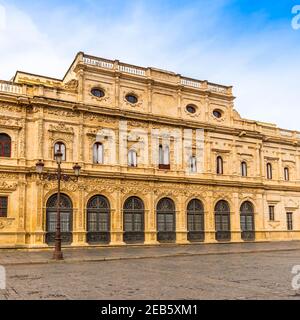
22 141
259 218
79 214
279 166
149 87
209 218
181 220
257 166
40 153
36 222
262 162
117 221
22 204
150 218
117 86
179 102
208 155
235 219
234 158
80 75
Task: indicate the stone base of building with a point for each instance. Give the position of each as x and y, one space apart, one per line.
36 240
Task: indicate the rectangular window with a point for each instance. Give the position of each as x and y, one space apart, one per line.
286 174
193 164
244 169
164 157
3 206
289 220
98 153
271 213
132 158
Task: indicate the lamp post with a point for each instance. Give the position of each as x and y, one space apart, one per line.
57 255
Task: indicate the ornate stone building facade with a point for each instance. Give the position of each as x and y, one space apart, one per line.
247 188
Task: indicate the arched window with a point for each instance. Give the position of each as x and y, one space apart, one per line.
5 145
244 169
132 158
269 171
60 146
219 165
193 164
66 215
164 157
195 219
133 216
286 174
98 220
222 221
98 155
165 212
247 221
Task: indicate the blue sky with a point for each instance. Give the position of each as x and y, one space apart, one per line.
248 44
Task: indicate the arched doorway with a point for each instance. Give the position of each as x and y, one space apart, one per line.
165 212
247 221
195 220
133 217
98 220
66 219
222 221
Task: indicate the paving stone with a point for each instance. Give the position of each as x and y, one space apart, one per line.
260 275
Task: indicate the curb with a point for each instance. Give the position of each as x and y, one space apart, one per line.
184 255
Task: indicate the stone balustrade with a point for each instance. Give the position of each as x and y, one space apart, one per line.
131 70
190 83
98 63
9 87
217 88
125 68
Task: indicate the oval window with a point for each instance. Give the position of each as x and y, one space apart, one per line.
191 108
131 98
98 93
217 114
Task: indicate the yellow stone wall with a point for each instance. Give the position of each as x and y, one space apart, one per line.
38 111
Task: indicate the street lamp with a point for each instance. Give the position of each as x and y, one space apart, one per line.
57 255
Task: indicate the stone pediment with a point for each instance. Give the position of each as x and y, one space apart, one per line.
291 204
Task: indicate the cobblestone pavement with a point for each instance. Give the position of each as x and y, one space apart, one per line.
261 275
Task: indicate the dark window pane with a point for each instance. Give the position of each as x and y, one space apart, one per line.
133 212
98 93
3 206
131 98
5 145
190 108
217 114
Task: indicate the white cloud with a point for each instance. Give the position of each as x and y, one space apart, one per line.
197 42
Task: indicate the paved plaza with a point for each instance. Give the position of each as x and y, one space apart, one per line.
249 271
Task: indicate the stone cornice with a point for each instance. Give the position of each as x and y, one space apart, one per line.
259 184
164 120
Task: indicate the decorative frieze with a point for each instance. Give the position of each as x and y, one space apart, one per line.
61 113
8 186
